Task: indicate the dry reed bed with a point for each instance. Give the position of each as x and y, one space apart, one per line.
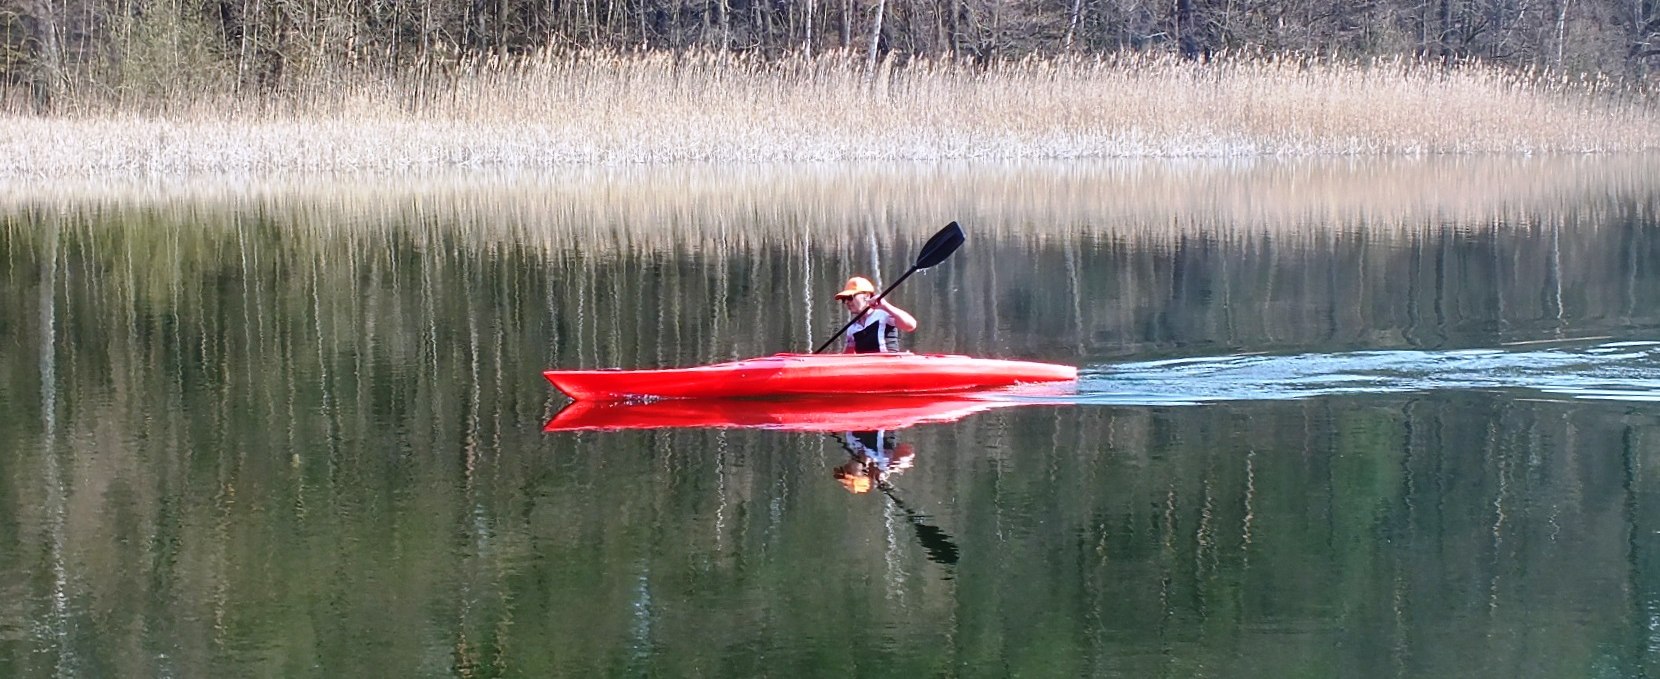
549 111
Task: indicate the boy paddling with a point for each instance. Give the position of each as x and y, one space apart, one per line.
877 330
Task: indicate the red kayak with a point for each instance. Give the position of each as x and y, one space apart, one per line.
801 374
801 413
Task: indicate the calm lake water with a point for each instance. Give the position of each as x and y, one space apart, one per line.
1337 418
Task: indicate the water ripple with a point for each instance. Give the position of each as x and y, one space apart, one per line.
1625 371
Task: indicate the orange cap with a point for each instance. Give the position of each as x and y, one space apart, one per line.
856 285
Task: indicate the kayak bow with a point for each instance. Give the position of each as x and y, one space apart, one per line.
799 374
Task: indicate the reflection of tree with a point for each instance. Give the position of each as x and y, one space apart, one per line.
1340 290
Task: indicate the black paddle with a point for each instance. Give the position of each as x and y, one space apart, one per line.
933 252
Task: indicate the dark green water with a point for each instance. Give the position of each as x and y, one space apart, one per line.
1371 419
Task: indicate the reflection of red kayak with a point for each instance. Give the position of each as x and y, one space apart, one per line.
801 413
790 374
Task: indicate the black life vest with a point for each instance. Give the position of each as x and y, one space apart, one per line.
874 333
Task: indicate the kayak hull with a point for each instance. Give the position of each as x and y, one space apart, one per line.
818 413
806 374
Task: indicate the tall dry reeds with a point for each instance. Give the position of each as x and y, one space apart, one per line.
562 109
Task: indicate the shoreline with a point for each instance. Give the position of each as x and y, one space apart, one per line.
645 111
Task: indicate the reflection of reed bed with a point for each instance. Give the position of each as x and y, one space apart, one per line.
669 266
717 249
617 284
547 110
713 208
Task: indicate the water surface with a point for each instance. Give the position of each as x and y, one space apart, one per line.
1382 418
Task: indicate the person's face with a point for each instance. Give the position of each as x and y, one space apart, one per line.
856 303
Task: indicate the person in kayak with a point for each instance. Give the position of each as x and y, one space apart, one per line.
878 329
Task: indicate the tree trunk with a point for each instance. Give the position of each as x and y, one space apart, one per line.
810 14
1072 24
876 33
722 10
996 31
847 24
1185 38
250 21
1445 40
1561 31
645 31
44 52
954 25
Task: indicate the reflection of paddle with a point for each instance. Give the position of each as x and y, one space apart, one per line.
940 548
933 252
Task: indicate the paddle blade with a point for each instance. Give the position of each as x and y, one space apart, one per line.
940 246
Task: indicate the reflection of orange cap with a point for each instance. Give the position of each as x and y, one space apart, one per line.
856 285
853 478
857 483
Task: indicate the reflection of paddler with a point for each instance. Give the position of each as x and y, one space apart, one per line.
875 455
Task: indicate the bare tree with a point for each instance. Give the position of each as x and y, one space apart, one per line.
43 50
876 32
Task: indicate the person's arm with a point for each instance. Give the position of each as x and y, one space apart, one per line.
902 319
